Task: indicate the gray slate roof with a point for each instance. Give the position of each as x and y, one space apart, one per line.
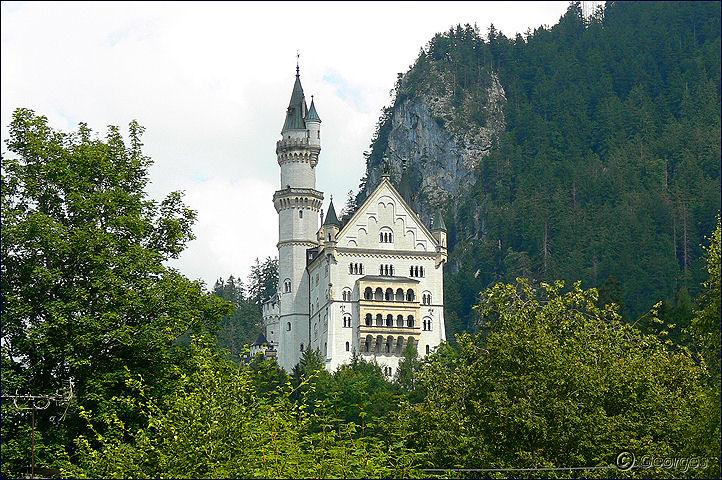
331 218
296 108
312 114
438 222
260 340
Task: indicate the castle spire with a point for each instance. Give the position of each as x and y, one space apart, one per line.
331 218
297 110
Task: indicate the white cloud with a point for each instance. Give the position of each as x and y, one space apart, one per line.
210 82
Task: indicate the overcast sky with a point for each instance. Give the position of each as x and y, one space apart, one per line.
211 82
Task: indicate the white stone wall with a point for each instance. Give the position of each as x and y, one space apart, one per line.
271 325
298 175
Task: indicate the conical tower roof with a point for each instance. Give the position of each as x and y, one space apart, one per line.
261 339
438 222
331 218
312 114
296 111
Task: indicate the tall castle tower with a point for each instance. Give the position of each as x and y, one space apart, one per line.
298 204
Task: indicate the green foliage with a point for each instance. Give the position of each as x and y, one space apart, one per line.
407 375
706 331
263 280
707 320
217 425
557 382
242 327
85 295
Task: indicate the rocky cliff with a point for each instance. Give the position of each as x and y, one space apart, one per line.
434 136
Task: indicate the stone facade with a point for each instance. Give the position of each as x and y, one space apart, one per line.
371 286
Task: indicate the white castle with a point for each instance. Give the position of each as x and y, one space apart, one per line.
371 285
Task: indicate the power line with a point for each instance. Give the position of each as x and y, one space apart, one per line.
42 402
526 469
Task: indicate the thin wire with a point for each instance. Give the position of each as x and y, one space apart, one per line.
528 469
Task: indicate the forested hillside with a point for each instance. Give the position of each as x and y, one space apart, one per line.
588 151
242 327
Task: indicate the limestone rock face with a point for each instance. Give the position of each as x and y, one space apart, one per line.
436 143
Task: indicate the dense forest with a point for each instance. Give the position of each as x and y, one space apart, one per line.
551 380
608 168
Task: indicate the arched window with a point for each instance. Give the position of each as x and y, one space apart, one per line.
379 294
347 321
350 268
381 237
389 296
361 268
288 327
399 295
411 271
421 271
389 320
300 213
400 321
410 295
347 346
287 285
410 321
369 320
381 270
302 347
427 349
379 320
368 294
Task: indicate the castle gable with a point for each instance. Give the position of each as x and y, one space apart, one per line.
386 222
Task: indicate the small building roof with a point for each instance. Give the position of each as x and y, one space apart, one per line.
260 340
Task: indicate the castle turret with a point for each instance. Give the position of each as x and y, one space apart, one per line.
298 204
330 227
313 125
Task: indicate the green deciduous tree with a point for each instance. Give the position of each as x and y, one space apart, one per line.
85 295
706 331
556 382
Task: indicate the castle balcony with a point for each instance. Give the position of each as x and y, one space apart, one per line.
363 330
297 198
384 344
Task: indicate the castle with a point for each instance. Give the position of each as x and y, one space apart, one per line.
371 285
